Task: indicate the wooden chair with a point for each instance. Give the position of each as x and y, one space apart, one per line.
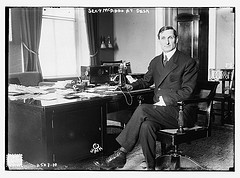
227 80
111 62
25 78
203 101
28 79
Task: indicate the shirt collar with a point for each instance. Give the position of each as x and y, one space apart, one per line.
170 54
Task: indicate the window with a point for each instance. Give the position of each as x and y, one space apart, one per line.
10 26
63 45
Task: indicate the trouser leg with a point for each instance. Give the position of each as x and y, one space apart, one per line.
130 134
147 138
166 117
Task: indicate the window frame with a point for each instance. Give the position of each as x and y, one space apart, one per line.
79 59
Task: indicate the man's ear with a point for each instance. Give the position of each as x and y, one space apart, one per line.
176 40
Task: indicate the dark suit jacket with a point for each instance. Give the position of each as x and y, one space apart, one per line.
174 82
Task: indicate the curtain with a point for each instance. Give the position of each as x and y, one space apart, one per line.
31 22
91 22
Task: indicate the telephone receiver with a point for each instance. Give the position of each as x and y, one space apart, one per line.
129 79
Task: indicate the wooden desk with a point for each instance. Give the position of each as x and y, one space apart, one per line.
62 130
55 131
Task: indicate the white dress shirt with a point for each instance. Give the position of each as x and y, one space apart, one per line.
170 54
161 101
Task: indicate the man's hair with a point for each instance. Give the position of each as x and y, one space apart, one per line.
164 28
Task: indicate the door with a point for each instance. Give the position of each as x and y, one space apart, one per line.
192 25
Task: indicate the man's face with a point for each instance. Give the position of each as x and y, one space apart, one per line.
168 41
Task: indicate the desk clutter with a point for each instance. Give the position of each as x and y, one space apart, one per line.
62 89
109 78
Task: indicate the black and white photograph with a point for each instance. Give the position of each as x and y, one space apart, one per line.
113 89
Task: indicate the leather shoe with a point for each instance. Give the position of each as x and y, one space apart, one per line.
116 160
150 169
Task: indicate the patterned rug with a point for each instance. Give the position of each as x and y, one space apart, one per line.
215 153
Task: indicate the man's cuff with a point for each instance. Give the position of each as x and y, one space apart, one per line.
162 101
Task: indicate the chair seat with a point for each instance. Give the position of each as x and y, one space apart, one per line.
171 136
220 96
174 131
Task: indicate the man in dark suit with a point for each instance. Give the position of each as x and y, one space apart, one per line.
174 75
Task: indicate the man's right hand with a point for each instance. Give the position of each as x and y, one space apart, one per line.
128 87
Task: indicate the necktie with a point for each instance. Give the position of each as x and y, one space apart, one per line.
165 60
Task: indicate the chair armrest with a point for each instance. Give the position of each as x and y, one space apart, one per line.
181 105
192 101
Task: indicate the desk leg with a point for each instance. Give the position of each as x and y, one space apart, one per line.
103 126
